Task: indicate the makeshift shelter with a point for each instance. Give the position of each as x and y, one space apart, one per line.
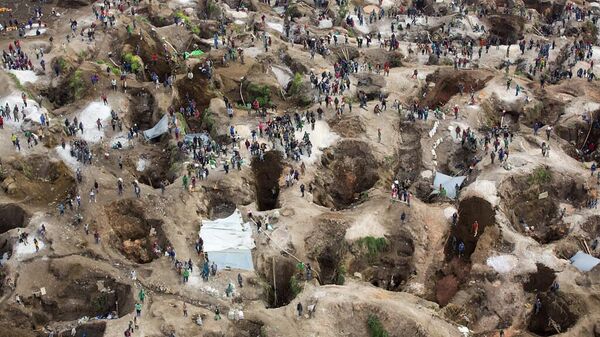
228 242
583 261
159 129
195 53
449 184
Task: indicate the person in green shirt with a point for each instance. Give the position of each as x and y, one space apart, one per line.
138 309
142 295
186 275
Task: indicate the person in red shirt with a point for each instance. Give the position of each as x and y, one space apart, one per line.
475 228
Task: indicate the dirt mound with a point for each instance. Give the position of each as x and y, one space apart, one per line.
13 216
541 280
266 175
469 210
558 311
531 212
346 171
446 84
37 179
138 238
582 139
449 279
348 126
507 28
385 263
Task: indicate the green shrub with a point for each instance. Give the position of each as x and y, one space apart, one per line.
375 327
539 176
296 84
76 84
134 60
373 245
340 275
262 93
295 286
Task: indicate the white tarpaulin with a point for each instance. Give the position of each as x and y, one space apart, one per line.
448 183
228 241
583 261
159 129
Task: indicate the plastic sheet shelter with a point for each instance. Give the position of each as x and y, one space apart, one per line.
228 242
583 261
449 183
159 129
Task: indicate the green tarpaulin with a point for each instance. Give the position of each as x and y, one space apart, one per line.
194 53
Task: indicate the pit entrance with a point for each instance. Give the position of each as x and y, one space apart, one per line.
541 280
469 210
281 286
138 238
266 175
556 315
12 216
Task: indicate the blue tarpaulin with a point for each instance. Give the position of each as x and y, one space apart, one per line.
449 183
583 261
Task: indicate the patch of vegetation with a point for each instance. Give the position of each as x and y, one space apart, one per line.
296 84
351 32
182 17
212 10
375 327
589 32
134 60
76 84
373 245
540 176
261 93
340 275
342 13
208 122
295 286
18 83
116 71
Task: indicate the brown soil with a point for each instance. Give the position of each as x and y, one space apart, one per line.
280 291
409 161
328 247
95 329
13 216
133 230
388 269
347 170
447 85
449 279
347 126
560 308
37 179
522 204
266 175
145 48
160 169
507 28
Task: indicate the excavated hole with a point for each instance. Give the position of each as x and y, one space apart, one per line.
12 216
507 28
541 280
540 218
95 329
469 210
447 85
555 308
280 292
196 90
347 170
388 268
266 175
159 166
136 236
75 291
141 108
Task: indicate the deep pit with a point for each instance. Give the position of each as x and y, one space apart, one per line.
159 168
348 170
12 216
447 82
541 280
531 211
557 314
469 210
281 286
135 236
266 175
141 108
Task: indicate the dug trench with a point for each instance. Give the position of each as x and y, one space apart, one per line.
12 216
138 238
456 269
282 279
446 84
266 175
533 202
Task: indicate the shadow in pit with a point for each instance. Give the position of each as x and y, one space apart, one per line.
266 176
12 216
557 314
284 285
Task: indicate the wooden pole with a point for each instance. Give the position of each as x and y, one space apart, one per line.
274 283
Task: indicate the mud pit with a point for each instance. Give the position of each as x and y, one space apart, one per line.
266 175
37 179
12 216
447 85
135 236
346 171
557 308
469 210
540 218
